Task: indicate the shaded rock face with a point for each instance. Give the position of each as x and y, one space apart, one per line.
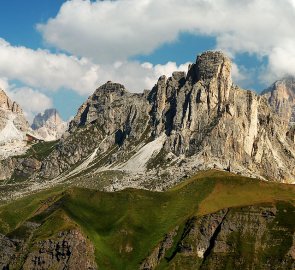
242 238
68 250
281 96
113 109
7 251
49 125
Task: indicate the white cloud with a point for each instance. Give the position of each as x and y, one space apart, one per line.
281 63
50 72
4 85
42 69
31 100
108 31
136 76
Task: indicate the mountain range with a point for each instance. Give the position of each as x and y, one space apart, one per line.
216 147
186 123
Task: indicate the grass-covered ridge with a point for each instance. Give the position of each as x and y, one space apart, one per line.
125 226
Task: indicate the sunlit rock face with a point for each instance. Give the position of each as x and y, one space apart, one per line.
281 96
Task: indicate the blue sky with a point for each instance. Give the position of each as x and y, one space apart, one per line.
55 53
18 19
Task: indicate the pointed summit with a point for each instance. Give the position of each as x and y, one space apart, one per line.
281 96
212 64
49 125
7 104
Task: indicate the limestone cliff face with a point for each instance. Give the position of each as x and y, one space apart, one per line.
203 113
7 104
281 96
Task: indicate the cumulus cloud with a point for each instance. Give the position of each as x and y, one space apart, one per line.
47 71
281 63
138 76
42 69
31 100
106 31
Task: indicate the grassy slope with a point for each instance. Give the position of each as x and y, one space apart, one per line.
125 226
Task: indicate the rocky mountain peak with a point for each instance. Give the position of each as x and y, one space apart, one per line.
212 64
281 96
41 118
111 88
49 125
7 104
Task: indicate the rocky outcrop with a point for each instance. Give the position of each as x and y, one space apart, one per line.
7 251
69 251
241 238
114 110
12 120
281 96
49 126
159 252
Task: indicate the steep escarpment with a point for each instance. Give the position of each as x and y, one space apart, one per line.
214 119
13 129
110 118
240 238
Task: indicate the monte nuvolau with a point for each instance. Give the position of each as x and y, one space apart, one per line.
195 173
